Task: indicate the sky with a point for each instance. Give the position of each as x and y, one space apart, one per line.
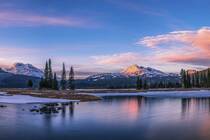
106 35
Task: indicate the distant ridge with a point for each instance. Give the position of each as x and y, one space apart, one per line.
2 71
25 69
132 71
127 78
11 80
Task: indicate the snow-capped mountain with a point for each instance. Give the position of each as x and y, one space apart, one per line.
127 78
132 71
25 69
105 76
2 71
135 70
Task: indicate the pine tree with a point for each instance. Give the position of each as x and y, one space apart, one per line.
47 80
185 79
145 84
71 84
160 85
208 77
30 83
189 85
202 77
63 78
55 82
41 83
138 83
50 75
193 80
182 73
46 76
184 82
197 83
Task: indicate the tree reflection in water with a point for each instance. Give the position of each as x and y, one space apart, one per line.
190 106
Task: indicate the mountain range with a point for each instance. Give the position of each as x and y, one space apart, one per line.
127 78
20 73
133 71
11 80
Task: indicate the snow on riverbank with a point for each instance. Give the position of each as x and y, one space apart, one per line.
26 99
162 94
3 94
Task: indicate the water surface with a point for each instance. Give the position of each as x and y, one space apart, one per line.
114 118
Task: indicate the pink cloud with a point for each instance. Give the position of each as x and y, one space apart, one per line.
120 61
195 59
10 18
198 38
191 47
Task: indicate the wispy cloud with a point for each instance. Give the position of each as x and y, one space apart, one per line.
199 59
36 56
117 59
23 18
99 63
190 46
10 55
142 8
120 61
198 38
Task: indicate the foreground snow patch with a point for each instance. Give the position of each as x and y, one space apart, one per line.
162 94
25 99
3 93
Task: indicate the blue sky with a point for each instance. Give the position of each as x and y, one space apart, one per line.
106 35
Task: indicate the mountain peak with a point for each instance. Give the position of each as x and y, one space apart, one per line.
133 70
18 64
134 65
25 69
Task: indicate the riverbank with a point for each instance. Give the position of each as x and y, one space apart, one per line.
160 94
98 91
84 95
52 94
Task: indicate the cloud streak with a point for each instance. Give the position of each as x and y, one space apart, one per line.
17 18
119 61
37 57
198 38
115 59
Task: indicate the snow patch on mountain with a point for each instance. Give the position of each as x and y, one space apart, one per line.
2 70
105 76
135 70
25 69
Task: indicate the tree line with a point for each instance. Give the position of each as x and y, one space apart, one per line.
145 83
198 79
50 80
